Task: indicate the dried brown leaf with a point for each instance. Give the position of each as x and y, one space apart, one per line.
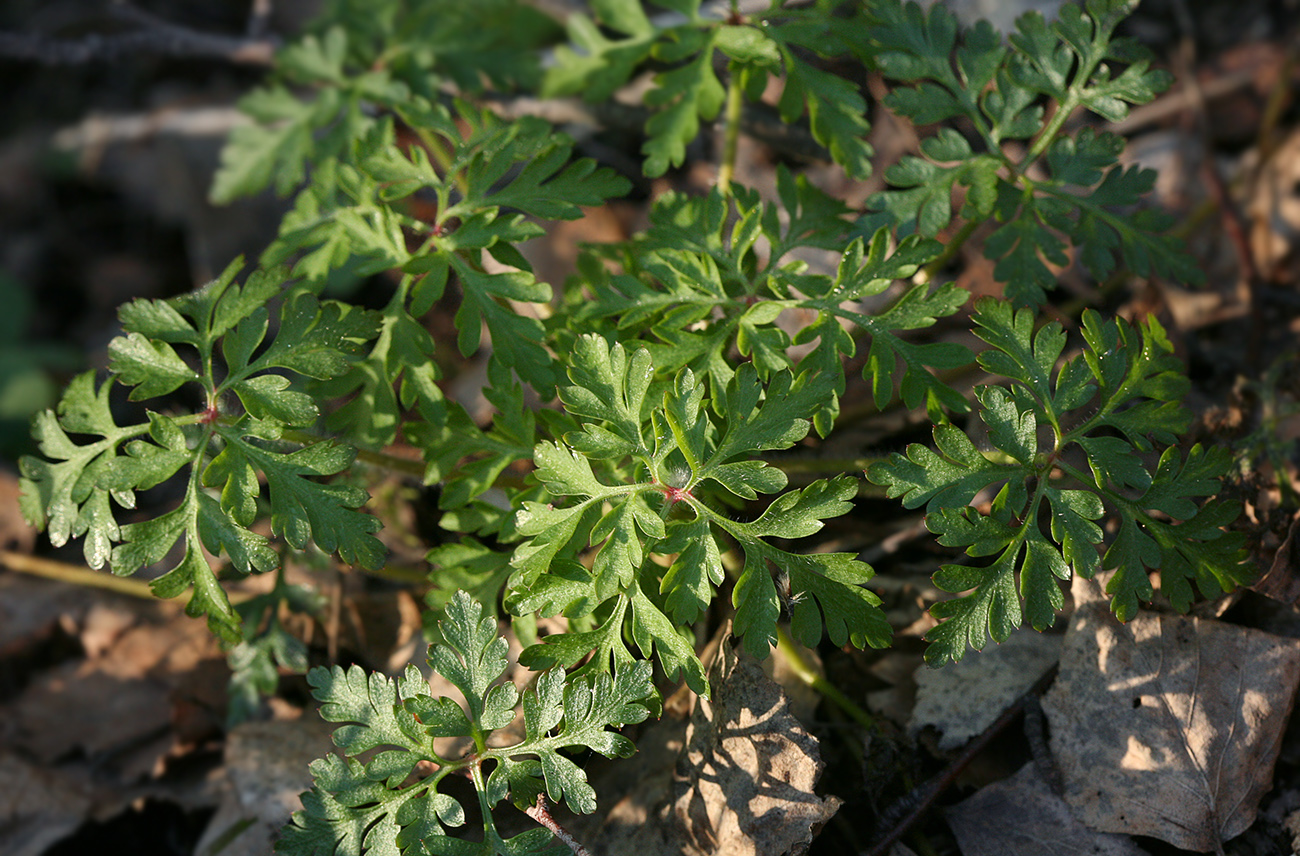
1282 580
1169 726
1020 816
748 773
962 699
38 806
266 772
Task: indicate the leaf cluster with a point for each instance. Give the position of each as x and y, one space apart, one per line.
391 802
627 475
627 492
1065 446
235 359
429 210
717 275
360 61
1000 92
618 39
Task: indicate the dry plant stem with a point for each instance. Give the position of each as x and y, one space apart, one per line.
1278 99
259 18
923 798
74 574
154 36
804 672
540 814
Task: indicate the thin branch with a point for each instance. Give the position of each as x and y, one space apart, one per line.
77 575
923 798
259 19
152 35
540 814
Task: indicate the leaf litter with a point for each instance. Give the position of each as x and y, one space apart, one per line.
1169 726
738 779
1022 816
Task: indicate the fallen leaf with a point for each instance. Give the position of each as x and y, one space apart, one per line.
1281 581
118 702
38 806
1169 726
964 698
1020 816
737 780
266 772
747 776
1274 211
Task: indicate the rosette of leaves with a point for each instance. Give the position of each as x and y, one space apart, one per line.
392 802
625 540
1017 167
91 466
713 274
1068 447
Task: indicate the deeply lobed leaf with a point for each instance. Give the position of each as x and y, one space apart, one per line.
377 807
1118 398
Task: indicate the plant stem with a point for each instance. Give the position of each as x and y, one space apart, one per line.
540 814
805 673
817 466
74 574
950 251
731 131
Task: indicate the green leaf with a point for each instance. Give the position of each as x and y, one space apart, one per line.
153 368
378 807
997 93
268 397
837 112
1117 399
516 339
826 589
685 95
948 478
302 509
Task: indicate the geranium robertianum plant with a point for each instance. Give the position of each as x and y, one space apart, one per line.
664 366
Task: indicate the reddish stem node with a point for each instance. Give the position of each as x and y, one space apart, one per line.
674 494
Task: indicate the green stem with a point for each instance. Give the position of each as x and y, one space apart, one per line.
490 834
805 673
950 251
731 131
74 574
819 466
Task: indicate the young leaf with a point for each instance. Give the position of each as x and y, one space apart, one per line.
666 454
